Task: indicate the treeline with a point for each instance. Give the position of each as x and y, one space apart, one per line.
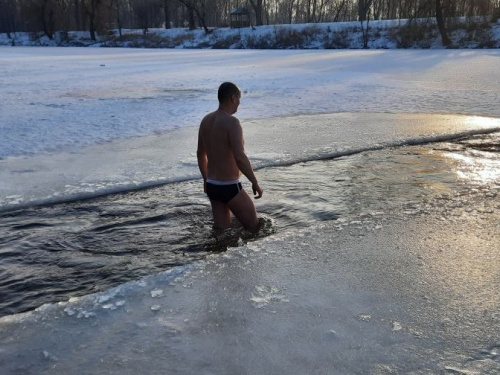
99 16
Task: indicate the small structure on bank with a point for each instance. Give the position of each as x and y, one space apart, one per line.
240 17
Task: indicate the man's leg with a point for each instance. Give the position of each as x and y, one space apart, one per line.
221 214
243 208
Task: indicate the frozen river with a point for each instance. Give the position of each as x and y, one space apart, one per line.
382 195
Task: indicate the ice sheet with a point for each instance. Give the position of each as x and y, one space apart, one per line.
60 108
55 99
388 294
398 293
141 162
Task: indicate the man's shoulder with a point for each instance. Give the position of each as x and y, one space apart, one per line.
207 121
231 119
208 117
221 121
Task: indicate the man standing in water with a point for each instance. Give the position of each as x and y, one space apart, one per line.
222 159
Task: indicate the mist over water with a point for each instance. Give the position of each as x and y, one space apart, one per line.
54 252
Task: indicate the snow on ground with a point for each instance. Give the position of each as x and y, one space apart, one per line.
465 33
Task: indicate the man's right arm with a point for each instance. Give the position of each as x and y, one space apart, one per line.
201 155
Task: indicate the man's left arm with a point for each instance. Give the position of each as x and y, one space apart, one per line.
237 142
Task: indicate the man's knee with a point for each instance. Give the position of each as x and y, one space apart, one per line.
254 227
250 220
243 209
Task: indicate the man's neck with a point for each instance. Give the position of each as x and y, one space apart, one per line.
221 108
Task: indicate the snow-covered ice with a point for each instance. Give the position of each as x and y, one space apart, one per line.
410 291
63 111
60 99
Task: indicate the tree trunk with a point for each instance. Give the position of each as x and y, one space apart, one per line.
339 10
166 9
78 18
119 20
94 4
201 19
47 18
120 24
441 23
363 14
365 31
363 8
192 24
257 7
92 24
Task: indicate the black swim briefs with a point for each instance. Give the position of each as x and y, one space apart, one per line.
223 191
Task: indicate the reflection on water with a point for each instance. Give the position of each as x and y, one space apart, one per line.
52 253
369 182
484 122
478 158
477 168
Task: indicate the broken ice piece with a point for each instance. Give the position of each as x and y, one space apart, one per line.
364 317
396 326
156 293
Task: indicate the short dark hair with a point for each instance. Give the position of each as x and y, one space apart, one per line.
226 90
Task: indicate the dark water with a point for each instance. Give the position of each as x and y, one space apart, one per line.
52 253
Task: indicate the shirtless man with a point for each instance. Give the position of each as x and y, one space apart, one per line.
222 159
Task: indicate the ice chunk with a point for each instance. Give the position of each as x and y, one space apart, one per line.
103 298
265 295
364 317
46 355
396 326
69 311
156 293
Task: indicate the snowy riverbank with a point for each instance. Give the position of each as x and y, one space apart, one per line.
387 34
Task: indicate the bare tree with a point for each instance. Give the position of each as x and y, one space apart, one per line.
166 12
148 13
63 7
441 23
258 8
337 9
42 16
7 17
364 15
198 8
48 16
91 11
117 7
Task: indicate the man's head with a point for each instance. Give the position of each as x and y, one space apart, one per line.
229 94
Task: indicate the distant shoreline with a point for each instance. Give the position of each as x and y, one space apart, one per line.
386 34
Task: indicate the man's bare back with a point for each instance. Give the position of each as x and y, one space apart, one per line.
222 160
219 133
